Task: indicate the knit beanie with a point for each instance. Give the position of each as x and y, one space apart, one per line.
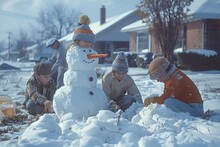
157 67
83 31
120 63
42 69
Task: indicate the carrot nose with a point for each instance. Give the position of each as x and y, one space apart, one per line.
90 56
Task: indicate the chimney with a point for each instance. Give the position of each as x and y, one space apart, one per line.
102 15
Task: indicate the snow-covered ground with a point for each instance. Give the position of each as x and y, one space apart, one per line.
155 125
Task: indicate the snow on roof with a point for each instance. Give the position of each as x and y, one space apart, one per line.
205 52
205 9
37 45
97 28
135 26
198 9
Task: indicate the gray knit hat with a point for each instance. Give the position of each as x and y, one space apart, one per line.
83 31
120 63
42 69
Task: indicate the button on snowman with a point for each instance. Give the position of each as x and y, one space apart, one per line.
80 95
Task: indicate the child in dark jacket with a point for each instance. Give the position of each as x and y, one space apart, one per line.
40 90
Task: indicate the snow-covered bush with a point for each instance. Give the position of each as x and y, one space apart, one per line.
198 59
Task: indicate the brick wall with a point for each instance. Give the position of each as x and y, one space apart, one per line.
194 35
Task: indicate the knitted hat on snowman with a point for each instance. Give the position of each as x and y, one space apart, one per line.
83 31
120 63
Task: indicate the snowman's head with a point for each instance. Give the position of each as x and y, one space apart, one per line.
77 58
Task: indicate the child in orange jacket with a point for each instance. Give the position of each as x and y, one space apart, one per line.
180 92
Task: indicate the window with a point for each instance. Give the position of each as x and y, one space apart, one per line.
142 41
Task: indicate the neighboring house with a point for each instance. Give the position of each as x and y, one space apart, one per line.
11 55
107 32
201 31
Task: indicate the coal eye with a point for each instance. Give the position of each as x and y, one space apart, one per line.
84 50
91 93
90 50
90 78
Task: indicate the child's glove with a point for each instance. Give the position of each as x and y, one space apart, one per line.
148 101
113 106
153 95
51 110
47 105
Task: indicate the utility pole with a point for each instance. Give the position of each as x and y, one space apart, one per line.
9 44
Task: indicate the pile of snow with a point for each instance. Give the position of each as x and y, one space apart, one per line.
155 125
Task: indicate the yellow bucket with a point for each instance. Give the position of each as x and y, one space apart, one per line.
7 107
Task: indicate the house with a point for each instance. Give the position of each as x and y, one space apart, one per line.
11 55
201 31
139 39
108 32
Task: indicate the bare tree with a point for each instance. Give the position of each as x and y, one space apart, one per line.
22 42
166 18
2 45
58 21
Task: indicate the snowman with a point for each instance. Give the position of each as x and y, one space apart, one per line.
80 95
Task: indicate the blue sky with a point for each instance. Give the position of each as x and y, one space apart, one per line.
15 14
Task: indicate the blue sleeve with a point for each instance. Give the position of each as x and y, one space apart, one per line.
59 58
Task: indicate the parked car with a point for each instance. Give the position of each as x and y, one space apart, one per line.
131 56
39 55
144 58
23 59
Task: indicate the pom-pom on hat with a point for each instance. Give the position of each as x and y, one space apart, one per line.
83 31
120 63
50 42
42 69
157 67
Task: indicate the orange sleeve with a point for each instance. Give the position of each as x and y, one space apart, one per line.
168 92
180 87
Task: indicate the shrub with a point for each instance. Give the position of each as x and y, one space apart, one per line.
197 62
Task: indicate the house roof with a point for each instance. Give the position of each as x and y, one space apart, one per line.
138 25
198 9
43 43
97 28
204 9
